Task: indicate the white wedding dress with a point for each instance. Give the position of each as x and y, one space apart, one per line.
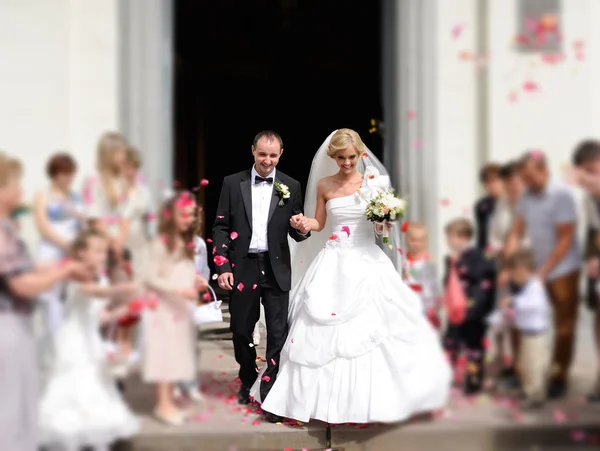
359 349
80 405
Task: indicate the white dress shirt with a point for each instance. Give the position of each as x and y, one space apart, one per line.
532 308
262 194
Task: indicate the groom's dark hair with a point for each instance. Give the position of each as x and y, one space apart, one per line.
270 135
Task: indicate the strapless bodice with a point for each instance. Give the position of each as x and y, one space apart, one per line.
348 223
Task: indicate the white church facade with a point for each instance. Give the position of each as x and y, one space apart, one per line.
459 88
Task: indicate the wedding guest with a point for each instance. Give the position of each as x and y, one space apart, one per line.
138 213
420 272
489 176
58 214
169 353
500 227
20 284
470 294
547 213
532 319
586 158
191 388
505 209
105 192
105 196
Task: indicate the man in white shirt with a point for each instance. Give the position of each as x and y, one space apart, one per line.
255 214
532 309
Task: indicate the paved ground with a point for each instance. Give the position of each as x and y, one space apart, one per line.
489 421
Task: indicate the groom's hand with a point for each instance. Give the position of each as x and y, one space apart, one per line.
226 281
300 223
295 221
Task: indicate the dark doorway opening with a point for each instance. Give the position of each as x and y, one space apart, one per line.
301 68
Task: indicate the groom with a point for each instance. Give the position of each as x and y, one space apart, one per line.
252 256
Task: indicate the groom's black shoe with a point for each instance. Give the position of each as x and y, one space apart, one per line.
243 396
272 418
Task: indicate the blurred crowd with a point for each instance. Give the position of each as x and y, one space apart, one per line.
511 284
111 279
113 282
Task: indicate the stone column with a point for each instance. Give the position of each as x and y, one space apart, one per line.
146 63
409 100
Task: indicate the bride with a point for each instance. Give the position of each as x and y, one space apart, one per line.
359 348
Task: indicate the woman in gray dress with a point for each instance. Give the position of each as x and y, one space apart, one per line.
20 283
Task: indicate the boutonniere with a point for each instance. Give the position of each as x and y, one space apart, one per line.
283 192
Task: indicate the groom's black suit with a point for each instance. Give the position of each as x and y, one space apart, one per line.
265 275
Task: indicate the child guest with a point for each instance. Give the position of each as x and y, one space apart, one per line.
470 295
81 406
419 270
169 354
532 319
191 388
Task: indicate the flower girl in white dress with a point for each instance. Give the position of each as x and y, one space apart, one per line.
81 406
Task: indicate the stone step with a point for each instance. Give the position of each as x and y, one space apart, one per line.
486 423
383 438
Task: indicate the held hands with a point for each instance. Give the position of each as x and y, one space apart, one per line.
300 223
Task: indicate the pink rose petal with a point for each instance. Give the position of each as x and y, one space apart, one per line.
559 416
530 86
220 260
536 154
485 342
203 182
266 378
457 30
240 286
578 436
233 235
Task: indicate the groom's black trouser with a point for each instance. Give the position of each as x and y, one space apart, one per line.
244 306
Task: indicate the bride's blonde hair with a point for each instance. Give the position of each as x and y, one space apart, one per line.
342 139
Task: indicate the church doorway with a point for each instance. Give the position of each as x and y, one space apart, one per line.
301 68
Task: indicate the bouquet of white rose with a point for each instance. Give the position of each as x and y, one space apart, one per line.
385 208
